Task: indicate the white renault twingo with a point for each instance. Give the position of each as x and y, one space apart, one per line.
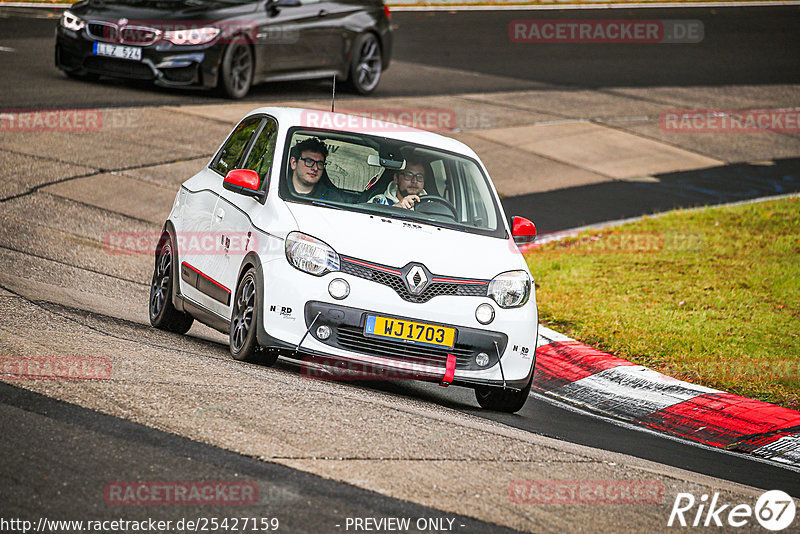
354 243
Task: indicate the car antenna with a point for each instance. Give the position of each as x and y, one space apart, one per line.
333 95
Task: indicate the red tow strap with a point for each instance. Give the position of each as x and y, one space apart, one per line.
449 371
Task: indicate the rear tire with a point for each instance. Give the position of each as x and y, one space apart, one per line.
366 65
163 314
502 400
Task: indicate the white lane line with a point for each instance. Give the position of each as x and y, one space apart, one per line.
598 5
6 49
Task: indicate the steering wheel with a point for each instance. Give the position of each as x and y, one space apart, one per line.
434 199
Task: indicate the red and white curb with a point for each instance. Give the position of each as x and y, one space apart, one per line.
576 374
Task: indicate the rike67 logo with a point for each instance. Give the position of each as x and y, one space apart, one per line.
774 510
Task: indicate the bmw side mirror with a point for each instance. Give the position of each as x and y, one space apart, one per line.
523 231
245 182
273 5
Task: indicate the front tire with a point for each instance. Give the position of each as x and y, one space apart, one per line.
502 400
236 70
244 323
366 64
163 314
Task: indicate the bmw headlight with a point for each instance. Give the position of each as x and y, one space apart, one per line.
191 36
310 255
71 22
511 289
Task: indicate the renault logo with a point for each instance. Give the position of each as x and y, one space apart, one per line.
416 280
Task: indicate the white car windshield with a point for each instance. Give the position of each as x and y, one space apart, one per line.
376 175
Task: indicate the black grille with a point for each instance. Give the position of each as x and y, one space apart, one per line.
118 67
138 35
434 289
132 35
103 31
352 338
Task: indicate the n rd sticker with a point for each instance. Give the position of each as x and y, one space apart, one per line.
284 311
523 351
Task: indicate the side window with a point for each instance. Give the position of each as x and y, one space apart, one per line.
234 147
263 151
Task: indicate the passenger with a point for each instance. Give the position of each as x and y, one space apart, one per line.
309 179
406 187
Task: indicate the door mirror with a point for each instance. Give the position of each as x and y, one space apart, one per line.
245 182
523 231
273 5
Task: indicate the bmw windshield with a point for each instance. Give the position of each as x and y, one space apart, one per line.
376 175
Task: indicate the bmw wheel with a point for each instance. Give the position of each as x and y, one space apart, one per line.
163 314
366 65
236 70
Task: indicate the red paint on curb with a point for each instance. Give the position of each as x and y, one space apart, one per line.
724 420
564 362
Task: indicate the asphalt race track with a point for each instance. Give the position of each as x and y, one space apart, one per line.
323 451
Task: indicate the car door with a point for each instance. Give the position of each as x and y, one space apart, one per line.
341 20
234 212
293 37
198 244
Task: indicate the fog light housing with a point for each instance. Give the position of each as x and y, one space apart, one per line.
323 331
482 359
484 313
339 288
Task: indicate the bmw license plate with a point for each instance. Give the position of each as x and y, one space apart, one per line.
118 51
411 331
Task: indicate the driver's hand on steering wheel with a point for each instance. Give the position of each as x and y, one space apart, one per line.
408 202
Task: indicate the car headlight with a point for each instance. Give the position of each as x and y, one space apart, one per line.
310 255
192 36
71 22
511 289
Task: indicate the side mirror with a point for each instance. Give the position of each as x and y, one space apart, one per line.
273 5
245 182
523 231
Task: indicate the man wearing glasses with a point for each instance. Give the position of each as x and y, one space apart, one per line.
406 187
307 161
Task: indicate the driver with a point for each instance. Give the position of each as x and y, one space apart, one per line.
406 187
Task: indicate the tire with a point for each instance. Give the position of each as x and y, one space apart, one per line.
244 323
236 70
163 314
366 65
500 400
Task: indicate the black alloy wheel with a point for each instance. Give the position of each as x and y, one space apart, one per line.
366 65
244 323
163 314
236 70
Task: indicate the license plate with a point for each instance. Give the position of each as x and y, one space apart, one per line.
428 334
118 51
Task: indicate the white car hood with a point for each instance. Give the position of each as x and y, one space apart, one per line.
443 251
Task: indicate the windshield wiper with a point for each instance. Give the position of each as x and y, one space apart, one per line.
326 204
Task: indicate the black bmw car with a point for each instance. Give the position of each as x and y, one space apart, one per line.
226 44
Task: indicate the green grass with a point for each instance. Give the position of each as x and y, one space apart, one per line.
709 296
